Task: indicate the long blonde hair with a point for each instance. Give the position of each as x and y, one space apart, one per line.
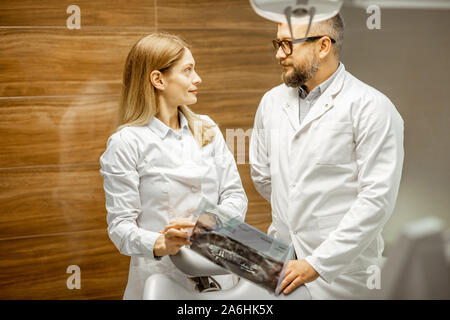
138 101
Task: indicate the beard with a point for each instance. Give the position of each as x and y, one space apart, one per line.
301 73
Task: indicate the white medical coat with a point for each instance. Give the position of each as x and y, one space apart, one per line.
152 175
332 181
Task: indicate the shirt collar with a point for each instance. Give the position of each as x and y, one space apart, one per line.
183 121
317 91
161 129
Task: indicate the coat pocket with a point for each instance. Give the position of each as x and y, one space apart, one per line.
334 143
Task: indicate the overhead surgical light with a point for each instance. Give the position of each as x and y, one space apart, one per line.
309 11
401 4
296 11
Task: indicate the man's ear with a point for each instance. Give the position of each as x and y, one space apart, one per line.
157 79
325 47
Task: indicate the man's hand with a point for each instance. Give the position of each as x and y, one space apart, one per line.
298 272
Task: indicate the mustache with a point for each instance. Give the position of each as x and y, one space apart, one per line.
284 64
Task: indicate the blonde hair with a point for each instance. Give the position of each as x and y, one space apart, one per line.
138 101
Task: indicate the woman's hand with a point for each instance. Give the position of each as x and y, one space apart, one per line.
173 237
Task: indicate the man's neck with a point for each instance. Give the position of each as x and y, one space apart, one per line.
325 71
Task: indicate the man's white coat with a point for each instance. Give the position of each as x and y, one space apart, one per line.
332 181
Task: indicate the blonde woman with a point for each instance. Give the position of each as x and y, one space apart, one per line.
161 160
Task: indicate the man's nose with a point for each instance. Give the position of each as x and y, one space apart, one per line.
280 54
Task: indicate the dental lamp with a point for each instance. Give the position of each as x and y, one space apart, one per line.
296 11
309 11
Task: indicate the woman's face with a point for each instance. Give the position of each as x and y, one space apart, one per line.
182 82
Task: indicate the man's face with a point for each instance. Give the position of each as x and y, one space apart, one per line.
303 63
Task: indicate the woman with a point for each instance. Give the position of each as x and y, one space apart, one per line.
162 160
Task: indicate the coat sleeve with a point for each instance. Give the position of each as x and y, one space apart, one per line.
123 205
259 155
379 159
232 197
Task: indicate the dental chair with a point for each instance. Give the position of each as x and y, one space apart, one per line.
163 287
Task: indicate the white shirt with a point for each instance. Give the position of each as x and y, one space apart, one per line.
332 180
152 175
307 101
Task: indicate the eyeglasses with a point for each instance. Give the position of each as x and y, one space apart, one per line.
286 45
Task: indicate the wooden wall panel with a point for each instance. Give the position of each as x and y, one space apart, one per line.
98 13
259 211
65 62
55 130
43 62
231 110
35 267
75 129
51 199
231 14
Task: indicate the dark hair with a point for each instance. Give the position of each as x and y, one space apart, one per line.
333 27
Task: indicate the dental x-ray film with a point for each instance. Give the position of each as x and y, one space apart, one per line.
239 247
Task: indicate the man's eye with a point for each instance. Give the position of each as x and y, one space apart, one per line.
188 69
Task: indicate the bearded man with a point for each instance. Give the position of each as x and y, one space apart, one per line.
327 152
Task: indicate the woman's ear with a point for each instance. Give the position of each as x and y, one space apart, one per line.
157 79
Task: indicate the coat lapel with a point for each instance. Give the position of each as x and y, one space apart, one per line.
323 104
291 108
325 101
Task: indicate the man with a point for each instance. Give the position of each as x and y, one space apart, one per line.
327 152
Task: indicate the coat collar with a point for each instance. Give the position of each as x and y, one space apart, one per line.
324 103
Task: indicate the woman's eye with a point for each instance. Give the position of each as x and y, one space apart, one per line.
188 69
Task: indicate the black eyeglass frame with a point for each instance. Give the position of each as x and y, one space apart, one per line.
278 43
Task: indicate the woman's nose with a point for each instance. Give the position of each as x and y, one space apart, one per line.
197 79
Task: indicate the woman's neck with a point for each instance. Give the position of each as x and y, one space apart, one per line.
168 115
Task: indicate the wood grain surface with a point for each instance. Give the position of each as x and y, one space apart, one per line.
35 267
75 129
98 13
51 199
81 62
43 62
55 130
232 14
